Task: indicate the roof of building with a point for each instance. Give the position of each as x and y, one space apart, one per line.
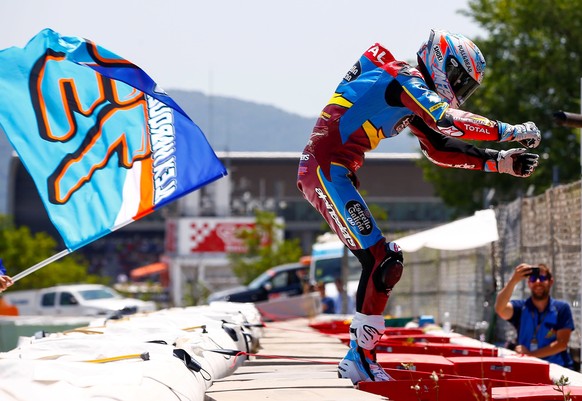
295 155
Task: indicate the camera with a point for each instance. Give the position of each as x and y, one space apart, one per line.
535 271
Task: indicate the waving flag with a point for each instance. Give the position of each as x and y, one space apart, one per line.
103 143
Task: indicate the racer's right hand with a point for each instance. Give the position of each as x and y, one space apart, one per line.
516 162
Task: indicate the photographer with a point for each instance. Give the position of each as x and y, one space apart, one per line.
544 324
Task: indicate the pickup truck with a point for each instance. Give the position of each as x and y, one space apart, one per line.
75 300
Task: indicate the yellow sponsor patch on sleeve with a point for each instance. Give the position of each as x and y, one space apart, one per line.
437 106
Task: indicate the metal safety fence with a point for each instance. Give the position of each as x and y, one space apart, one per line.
539 229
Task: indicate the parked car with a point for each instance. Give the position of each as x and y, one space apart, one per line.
279 281
75 300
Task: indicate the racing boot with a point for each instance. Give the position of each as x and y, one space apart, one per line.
360 362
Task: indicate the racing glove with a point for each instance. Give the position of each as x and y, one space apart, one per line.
513 161
527 134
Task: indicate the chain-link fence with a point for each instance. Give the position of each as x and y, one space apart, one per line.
540 229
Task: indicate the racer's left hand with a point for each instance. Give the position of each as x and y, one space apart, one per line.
517 162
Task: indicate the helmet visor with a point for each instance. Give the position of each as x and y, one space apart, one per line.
462 83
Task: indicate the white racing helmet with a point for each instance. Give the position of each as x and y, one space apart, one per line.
455 65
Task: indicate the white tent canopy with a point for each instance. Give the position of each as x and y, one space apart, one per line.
470 232
467 233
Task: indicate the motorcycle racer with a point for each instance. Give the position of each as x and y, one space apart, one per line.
377 99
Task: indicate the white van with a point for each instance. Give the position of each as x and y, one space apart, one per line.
75 300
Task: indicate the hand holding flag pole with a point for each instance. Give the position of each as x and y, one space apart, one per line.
104 145
5 281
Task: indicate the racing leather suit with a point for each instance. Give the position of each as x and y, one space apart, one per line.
377 99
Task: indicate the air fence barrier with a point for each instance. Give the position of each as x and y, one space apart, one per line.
538 229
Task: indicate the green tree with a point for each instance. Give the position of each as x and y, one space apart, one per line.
20 249
534 62
264 249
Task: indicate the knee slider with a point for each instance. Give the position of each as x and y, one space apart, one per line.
390 269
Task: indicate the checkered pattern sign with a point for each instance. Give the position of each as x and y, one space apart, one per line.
196 235
213 236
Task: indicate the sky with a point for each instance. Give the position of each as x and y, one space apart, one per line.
290 55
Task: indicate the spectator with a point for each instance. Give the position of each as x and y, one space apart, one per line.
342 293
327 303
303 275
544 324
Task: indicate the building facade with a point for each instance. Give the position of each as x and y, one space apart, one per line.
265 180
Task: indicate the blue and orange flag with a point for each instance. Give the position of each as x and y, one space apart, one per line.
103 143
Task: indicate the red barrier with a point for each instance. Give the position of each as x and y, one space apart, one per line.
397 333
509 371
446 350
427 389
536 393
415 362
415 338
342 327
332 326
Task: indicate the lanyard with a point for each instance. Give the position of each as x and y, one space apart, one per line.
539 323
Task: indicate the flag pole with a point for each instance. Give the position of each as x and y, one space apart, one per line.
40 265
